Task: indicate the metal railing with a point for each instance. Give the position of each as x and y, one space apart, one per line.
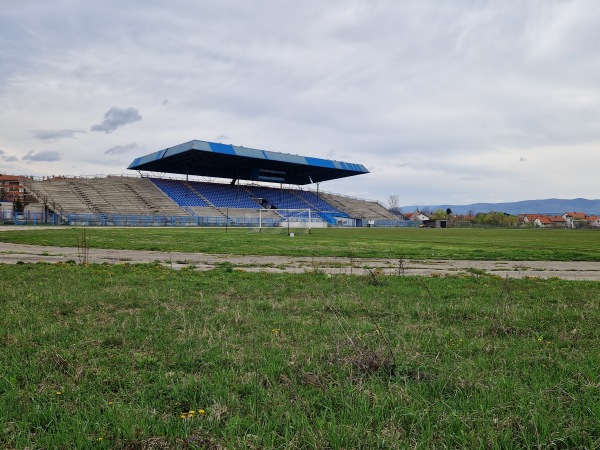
141 220
131 220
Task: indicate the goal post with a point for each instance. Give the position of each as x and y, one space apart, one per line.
299 216
291 218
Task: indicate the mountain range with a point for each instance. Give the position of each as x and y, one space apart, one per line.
551 206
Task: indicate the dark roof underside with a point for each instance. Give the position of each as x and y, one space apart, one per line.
209 159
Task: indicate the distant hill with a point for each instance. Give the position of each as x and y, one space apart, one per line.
551 206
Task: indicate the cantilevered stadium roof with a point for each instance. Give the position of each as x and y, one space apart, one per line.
209 159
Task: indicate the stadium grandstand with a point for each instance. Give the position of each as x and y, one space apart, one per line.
201 183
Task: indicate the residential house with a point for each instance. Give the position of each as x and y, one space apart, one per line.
529 218
558 221
549 222
572 217
593 221
420 216
415 216
11 189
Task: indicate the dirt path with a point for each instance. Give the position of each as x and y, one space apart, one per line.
571 270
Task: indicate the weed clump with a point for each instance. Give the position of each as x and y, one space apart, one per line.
367 360
374 276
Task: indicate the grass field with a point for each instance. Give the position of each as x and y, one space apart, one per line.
144 357
117 356
414 243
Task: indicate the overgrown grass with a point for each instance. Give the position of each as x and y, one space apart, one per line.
473 244
99 356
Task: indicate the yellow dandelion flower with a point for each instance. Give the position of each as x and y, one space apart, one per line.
99 438
201 411
58 393
192 411
183 416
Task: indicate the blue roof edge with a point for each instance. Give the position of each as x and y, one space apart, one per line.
200 145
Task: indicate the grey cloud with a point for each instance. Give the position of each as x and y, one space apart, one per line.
116 117
44 155
55 135
6 158
121 149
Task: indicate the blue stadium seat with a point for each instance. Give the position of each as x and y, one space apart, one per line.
235 196
179 192
225 195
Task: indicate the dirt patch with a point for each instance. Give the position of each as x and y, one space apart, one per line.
571 270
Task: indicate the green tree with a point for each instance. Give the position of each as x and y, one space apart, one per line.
439 214
18 205
496 219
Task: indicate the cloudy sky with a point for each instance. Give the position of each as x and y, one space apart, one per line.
453 101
